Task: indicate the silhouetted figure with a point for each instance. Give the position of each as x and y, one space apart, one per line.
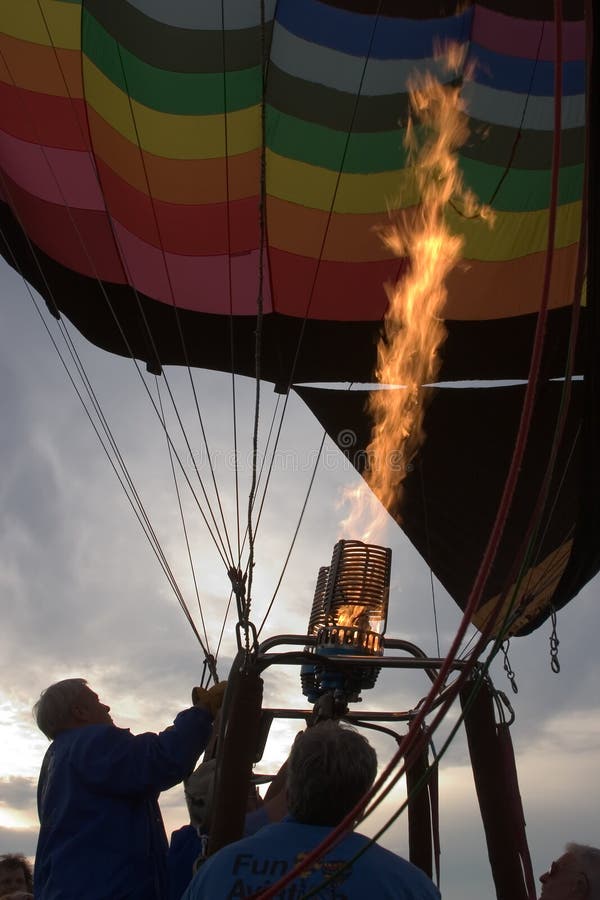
574 876
329 768
101 830
15 876
187 844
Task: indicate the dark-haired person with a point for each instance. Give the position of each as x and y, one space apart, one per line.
15 876
187 844
575 876
329 768
101 831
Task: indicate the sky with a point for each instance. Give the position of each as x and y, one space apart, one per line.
83 595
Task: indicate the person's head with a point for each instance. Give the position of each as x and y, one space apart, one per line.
69 704
575 876
15 874
329 769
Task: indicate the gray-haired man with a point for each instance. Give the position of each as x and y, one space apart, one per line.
101 831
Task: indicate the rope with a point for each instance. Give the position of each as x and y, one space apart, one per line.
231 594
124 478
334 197
126 481
259 312
262 467
230 287
295 535
518 135
497 530
225 617
431 582
106 298
177 319
317 268
533 534
187 542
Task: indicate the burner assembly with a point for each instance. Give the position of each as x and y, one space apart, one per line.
348 618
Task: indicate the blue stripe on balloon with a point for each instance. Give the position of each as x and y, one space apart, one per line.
525 76
351 33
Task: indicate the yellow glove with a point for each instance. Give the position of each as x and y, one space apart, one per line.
211 699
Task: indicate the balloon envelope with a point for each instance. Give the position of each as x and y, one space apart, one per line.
152 197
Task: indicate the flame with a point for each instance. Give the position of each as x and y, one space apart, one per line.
353 616
366 516
408 352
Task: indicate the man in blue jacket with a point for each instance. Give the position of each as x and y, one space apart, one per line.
101 831
329 768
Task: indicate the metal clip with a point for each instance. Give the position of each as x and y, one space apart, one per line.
508 668
501 696
554 643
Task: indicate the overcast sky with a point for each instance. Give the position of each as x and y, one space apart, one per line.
82 595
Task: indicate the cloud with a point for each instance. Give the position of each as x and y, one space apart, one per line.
82 594
18 792
18 840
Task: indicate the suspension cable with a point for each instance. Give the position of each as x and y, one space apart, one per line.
186 538
116 460
295 535
133 497
262 216
216 539
176 312
317 268
230 286
431 582
501 517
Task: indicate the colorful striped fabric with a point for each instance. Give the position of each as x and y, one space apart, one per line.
136 137
131 136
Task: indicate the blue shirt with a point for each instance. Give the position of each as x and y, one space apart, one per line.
254 863
101 831
186 847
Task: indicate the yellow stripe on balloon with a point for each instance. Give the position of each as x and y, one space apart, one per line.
168 135
314 187
48 22
516 234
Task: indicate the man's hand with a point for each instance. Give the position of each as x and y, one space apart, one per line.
211 699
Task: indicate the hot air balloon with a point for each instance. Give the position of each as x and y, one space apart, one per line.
206 185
